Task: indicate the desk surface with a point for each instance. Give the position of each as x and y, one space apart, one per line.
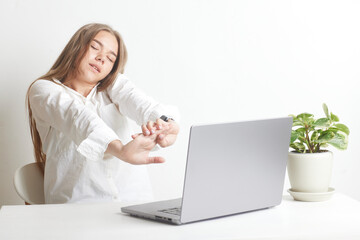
338 218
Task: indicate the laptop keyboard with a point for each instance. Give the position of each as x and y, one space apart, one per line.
174 211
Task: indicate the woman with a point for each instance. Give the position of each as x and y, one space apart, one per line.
78 120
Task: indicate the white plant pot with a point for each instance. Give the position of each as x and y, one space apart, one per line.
310 172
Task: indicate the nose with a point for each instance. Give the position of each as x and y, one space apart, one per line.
100 58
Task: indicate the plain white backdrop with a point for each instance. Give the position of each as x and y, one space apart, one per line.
218 61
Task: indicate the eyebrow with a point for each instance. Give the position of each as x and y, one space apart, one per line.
102 45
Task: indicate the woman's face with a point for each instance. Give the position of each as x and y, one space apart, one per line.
99 59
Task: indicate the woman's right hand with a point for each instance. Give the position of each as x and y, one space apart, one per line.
137 151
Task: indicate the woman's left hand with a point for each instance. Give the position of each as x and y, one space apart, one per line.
169 135
167 131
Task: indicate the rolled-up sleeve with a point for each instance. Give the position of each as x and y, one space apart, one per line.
52 105
136 105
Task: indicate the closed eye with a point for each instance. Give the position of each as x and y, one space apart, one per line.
110 59
94 47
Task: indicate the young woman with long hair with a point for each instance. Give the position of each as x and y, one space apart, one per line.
78 115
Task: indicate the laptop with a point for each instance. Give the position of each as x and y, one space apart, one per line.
231 168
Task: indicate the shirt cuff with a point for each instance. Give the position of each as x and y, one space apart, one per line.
154 116
95 145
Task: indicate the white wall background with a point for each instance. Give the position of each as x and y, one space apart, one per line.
216 60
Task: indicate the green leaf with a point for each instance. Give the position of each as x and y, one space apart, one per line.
304 116
333 129
334 118
302 139
322 122
342 128
301 131
324 145
294 136
299 147
315 135
325 137
340 141
297 123
326 110
310 123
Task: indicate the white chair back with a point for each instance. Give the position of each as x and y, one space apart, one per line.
29 184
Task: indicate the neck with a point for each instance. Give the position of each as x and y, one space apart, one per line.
81 87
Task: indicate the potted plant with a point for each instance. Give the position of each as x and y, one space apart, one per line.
310 164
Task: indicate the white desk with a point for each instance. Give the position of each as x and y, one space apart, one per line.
338 218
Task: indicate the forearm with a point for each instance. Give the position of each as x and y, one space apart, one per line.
135 104
53 107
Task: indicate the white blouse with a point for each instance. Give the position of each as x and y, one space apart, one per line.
75 132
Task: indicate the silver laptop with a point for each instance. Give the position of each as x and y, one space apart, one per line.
231 168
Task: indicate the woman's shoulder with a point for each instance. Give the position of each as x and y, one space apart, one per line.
44 85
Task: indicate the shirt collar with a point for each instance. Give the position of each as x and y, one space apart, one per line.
75 92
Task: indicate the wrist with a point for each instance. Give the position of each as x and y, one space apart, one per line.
116 148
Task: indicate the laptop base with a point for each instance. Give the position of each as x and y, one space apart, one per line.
153 210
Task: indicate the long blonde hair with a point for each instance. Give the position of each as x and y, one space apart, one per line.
67 63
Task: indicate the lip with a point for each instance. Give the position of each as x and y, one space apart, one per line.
95 67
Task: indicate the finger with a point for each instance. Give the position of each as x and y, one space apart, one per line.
159 123
150 127
161 137
135 135
151 160
145 130
149 138
161 140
